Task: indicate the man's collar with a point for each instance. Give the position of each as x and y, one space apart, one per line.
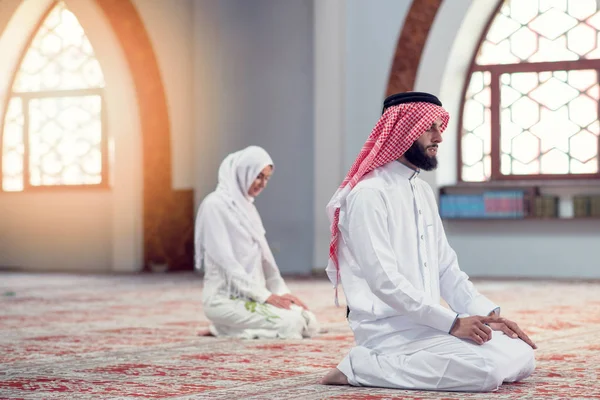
404 170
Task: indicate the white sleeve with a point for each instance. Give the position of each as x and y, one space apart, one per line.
455 287
369 242
275 282
219 249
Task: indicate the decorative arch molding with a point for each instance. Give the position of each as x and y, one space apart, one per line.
167 213
411 44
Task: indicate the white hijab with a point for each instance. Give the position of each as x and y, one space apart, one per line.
236 175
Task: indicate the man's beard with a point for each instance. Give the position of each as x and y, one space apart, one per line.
417 155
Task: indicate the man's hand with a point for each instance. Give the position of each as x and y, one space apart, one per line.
279 301
511 329
295 300
473 328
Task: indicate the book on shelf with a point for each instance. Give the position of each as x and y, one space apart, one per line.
594 206
504 204
581 206
545 207
467 202
499 204
586 206
461 206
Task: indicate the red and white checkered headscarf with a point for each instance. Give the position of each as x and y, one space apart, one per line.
397 129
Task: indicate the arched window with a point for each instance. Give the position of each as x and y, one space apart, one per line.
531 105
53 133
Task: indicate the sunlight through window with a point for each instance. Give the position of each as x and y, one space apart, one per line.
53 133
535 67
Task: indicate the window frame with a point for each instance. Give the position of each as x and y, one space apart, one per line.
496 70
25 98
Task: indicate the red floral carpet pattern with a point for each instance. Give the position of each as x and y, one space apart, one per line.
67 336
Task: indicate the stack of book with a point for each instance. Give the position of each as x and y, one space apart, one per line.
586 206
594 206
545 207
462 206
504 204
581 206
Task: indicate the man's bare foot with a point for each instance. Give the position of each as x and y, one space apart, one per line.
334 377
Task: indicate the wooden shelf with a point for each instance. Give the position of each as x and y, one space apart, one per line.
532 194
575 183
521 219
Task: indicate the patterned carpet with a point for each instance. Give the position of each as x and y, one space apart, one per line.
67 336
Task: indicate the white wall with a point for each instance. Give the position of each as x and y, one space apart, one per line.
372 33
329 108
355 42
54 231
170 27
206 97
254 65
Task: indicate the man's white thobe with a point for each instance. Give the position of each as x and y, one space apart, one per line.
396 264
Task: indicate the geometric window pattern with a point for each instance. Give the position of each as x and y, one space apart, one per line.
476 146
549 123
536 56
53 133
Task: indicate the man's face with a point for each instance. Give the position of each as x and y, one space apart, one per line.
422 154
261 181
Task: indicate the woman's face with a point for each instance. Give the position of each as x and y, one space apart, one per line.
261 181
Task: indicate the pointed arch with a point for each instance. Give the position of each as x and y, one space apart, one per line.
168 214
411 44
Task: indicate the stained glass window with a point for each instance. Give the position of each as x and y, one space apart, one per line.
538 56
53 133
